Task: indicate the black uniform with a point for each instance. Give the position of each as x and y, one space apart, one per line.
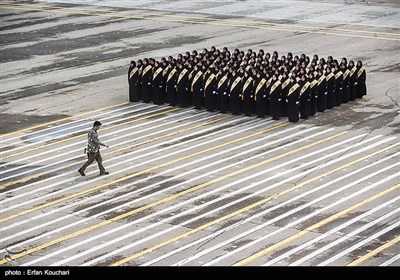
210 97
261 98
346 86
248 96
313 97
293 102
171 87
197 89
352 84
275 99
285 91
322 94
330 89
305 99
235 95
147 84
222 90
339 87
361 87
158 86
182 93
134 84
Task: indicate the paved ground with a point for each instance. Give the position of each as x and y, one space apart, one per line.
192 187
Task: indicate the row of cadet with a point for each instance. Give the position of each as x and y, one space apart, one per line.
248 82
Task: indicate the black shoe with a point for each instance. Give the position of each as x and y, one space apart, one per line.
104 173
81 172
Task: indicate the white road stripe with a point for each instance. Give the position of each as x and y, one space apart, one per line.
129 167
390 261
121 188
329 233
90 118
360 244
310 215
67 146
239 223
198 207
61 130
169 208
119 143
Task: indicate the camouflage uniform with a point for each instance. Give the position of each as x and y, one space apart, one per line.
93 150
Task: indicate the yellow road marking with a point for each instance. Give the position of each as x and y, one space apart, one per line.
61 120
233 213
135 174
112 152
313 227
84 133
375 252
256 204
152 13
113 14
164 200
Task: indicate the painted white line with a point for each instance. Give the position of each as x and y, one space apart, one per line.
329 233
246 220
119 143
296 222
150 187
194 209
203 206
390 261
64 129
69 145
87 118
129 167
167 209
117 158
360 244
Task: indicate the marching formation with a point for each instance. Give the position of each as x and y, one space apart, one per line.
250 83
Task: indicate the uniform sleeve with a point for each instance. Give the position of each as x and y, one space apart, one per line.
94 138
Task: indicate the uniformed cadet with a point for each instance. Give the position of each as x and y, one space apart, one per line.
275 96
210 86
322 91
235 94
222 90
346 83
285 80
260 94
158 84
182 94
312 79
133 80
197 88
361 87
248 94
147 80
330 89
171 84
305 98
338 85
352 80
293 101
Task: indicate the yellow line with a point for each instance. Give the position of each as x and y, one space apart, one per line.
256 204
221 24
152 13
164 200
60 120
135 174
84 133
313 227
375 252
112 152
231 214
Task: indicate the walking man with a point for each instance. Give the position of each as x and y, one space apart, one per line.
93 150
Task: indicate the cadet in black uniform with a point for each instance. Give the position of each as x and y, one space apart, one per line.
171 84
235 95
352 80
158 84
248 94
338 85
361 87
275 97
330 89
133 80
346 83
260 95
222 90
197 88
305 98
313 93
182 94
322 92
292 100
147 80
210 86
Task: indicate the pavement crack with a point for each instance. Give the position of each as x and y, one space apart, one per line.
391 97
